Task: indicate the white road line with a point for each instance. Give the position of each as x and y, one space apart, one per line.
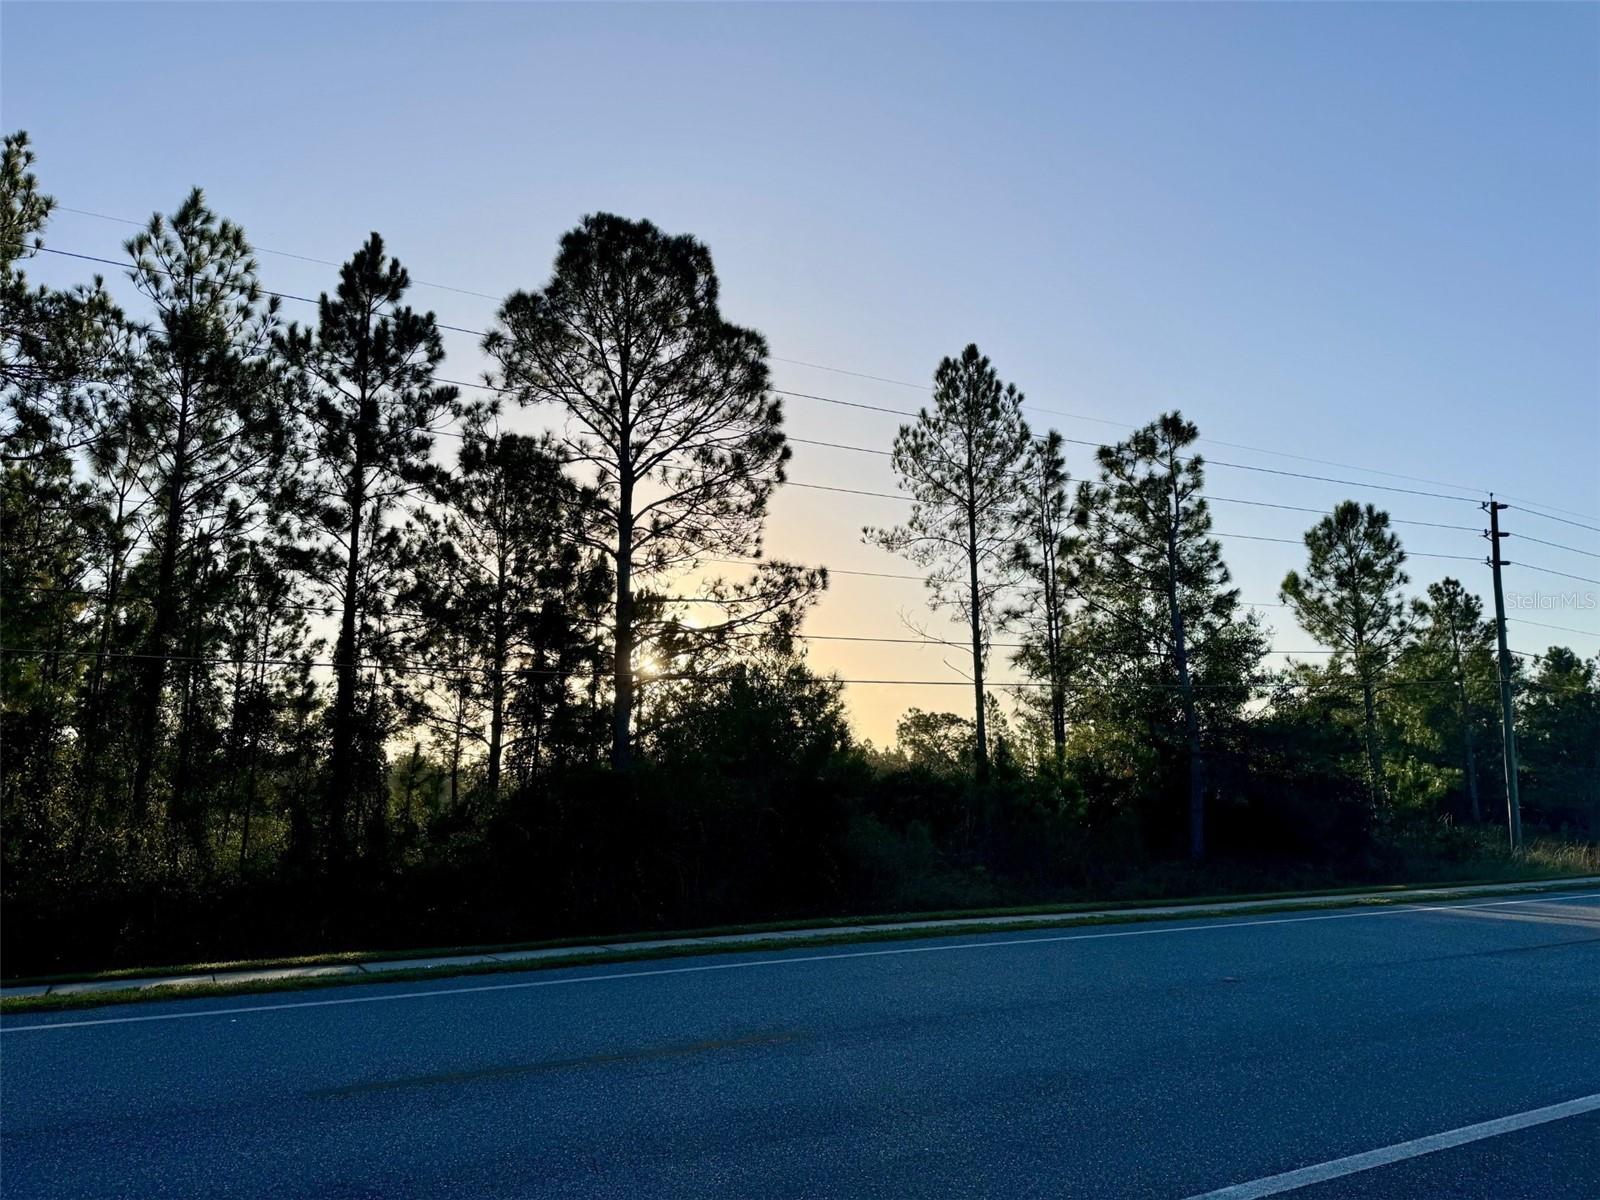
1274 1185
788 960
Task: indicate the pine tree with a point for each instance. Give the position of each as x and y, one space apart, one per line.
1159 622
368 405
1454 643
74 460
963 464
54 344
500 569
205 394
1560 741
1349 599
667 404
1040 553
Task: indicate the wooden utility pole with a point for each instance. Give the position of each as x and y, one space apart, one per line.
1508 721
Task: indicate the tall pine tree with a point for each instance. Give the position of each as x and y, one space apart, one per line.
667 403
1160 628
1349 598
501 571
369 406
205 392
963 463
1040 553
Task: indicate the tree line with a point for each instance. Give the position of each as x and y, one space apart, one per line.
299 645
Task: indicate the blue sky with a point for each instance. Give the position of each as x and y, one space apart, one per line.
1361 233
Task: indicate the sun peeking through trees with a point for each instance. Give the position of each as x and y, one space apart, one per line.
300 648
668 405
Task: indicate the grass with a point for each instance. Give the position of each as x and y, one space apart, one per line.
338 958
969 923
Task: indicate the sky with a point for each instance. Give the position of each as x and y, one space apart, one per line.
1357 233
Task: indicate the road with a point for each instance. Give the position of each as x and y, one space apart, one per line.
1159 1060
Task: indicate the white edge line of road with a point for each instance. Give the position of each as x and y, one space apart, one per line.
788 960
1289 1181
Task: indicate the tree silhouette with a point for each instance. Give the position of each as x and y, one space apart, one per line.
499 568
667 403
1349 600
1040 553
1454 642
963 465
1156 595
205 391
368 405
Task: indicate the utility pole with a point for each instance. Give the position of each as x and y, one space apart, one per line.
1508 720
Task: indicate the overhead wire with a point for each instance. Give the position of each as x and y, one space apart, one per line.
1082 442
884 379
921 387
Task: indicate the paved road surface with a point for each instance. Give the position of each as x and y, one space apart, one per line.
1157 1061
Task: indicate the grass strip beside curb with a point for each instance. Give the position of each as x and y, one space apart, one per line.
17 1005
345 958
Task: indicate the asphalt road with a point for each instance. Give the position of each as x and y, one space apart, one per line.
1160 1060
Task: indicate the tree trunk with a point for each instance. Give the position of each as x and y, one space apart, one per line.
1471 765
1058 727
257 712
1058 688
591 724
1052 626
455 745
536 720
1191 720
622 668
1374 757
981 763
1471 770
89 760
248 806
341 766
497 683
147 726
191 823
238 733
1191 731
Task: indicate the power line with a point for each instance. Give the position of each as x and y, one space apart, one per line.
1548 571
838 446
824 487
477 333
897 412
1562 628
330 609
1256 537
324 262
1535 513
822 367
1212 462
1322 512
921 387
1554 545
1382 487
1075 416
645 676
111 262
740 562
1209 498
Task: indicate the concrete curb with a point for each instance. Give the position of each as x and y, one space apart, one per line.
734 941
